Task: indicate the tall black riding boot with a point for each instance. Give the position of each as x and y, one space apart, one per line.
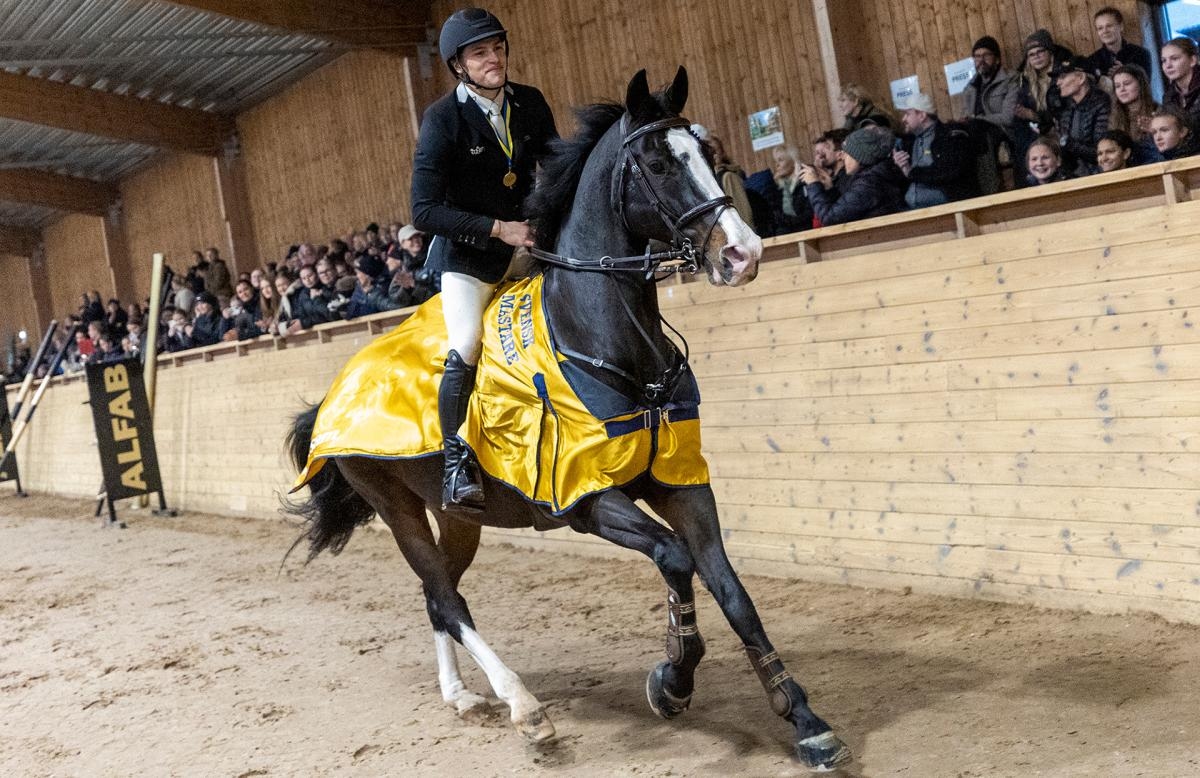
461 487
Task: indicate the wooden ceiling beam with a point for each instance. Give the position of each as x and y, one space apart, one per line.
76 108
18 241
66 193
393 25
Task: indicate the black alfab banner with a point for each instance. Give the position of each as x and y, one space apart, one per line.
9 473
124 429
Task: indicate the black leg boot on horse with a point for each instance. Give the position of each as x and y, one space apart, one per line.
462 487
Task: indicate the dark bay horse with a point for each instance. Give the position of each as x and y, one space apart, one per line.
632 174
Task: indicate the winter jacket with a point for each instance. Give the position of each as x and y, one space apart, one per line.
873 191
952 168
312 310
998 99
1080 125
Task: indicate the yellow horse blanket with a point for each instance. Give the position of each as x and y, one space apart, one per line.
536 422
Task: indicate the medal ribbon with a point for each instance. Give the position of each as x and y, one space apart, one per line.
506 143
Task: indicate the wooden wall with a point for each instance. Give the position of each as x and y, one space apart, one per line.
882 40
330 154
1010 416
17 311
741 57
171 207
75 262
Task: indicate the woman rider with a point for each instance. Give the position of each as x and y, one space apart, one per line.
474 165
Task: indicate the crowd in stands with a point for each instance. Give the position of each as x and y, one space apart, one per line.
1057 116
351 276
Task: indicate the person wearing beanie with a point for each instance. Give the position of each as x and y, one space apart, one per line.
992 94
934 156
370 293
1114 50
874 186
1037 96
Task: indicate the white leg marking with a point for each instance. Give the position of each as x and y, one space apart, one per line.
454 691
505 682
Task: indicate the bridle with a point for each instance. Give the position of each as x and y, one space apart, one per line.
680 257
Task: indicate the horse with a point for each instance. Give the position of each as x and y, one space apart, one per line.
632 174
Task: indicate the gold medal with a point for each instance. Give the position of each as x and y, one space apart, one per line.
510 178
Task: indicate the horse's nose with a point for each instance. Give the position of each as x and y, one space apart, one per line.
740 261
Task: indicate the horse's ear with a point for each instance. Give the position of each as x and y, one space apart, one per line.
677 92
637 96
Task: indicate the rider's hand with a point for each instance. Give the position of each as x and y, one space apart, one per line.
513 233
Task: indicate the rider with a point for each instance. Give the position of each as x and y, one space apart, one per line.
474 165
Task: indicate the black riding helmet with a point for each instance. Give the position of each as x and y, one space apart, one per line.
465 27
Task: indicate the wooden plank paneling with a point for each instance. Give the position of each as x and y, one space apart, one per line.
741 58
921 36
75 262
18 312
331 154
172 207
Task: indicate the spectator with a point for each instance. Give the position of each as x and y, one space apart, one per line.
1082 116
875 187
1114 50
1114 151
1132 108
406 287
1181 66
306 255
310 305
92 309
1044 162
1037 94
936 157
992 94
412 241
216 278
178 327
370 293
207 326
115 318
286 288
84 347
243 314
1173 135
183 298
731 177
790 210
827 159
860 110
197 272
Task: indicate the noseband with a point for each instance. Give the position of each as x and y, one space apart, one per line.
681 257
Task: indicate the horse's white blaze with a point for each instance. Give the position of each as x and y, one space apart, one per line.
747 245
505 682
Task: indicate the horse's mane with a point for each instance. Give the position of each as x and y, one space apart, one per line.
547 206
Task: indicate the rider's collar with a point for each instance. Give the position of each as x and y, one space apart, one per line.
463 93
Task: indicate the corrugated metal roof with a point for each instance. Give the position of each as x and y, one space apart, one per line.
154 51
141 48
25 215
24 145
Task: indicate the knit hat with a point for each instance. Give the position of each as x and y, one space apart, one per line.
869 145
1041 39
987 42
919 101
370 264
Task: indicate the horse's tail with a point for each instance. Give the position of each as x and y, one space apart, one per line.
333 509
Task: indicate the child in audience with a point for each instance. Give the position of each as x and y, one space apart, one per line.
1114 151
1173 136
1044 162
1132 108
1181 66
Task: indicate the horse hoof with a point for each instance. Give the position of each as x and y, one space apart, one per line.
822 753
472 707
663 703
536 727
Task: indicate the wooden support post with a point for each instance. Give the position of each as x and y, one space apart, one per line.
966 224
829 63
116 252
1176 189
233 198
809 252
39 282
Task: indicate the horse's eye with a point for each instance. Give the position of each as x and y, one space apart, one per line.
657 168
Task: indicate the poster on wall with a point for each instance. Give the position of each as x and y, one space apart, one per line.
766 129
959 74
902 90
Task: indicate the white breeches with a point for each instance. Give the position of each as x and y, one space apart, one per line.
463 301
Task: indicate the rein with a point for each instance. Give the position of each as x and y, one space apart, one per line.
681 257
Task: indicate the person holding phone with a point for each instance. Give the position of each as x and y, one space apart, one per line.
874 187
